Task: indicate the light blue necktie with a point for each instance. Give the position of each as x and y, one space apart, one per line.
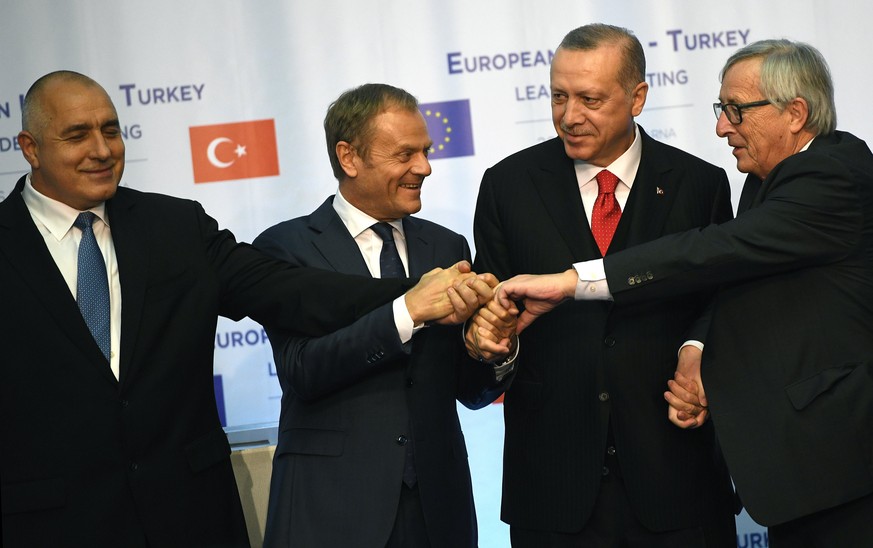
92 287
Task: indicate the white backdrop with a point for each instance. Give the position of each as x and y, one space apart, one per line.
171 65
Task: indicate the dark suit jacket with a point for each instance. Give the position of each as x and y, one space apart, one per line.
348 397
588 364
91 461
788 364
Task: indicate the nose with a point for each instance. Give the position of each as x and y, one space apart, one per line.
574 113
723 126
422 165
100 148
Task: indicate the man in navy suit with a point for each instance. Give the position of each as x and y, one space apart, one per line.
370 451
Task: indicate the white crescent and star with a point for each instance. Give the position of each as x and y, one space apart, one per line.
240 151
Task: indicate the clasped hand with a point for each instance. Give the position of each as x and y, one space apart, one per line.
449 295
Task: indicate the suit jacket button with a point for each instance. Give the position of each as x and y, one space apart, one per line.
649 275
402 440
630 281
603 396
637 279
409 381
609 341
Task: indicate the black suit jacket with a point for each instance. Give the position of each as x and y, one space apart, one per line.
89 460
350 396
588 364
788 364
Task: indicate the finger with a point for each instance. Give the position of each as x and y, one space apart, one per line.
673 417
489 279
524 320
681 404
463 267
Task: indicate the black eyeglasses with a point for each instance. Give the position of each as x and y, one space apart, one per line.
733 111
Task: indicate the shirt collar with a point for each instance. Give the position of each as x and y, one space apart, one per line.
624 167
357 221
57 216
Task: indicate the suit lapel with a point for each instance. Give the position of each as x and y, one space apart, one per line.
654 190
25 248
132 252
419 248
555 180
332 240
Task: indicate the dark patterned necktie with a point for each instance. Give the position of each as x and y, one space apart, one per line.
606 212
390 264
92 286
392 267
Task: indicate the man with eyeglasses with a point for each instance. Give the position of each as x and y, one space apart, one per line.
788 362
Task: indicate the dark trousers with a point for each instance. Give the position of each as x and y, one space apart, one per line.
613 525
409 527
847 526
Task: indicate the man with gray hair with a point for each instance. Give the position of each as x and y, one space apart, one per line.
788 363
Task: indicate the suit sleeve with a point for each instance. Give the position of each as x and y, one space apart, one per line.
301 300
810 215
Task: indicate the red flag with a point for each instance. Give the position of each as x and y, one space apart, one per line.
240 150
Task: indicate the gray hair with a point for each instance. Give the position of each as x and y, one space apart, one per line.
790 70
589 37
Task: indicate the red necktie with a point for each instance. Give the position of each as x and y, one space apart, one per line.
606 212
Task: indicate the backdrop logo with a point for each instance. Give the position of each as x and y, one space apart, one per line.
449 125
240 150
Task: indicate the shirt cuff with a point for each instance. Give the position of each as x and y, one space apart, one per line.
696 344
403 321
592 285
506 366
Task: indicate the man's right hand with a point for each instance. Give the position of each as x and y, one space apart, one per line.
449 296
539 293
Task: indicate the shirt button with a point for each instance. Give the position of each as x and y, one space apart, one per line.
402 440
605 471
610 450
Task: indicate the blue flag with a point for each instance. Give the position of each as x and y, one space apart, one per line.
449 125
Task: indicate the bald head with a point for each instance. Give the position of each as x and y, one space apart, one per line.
34 114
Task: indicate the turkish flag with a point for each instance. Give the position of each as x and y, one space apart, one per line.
240 150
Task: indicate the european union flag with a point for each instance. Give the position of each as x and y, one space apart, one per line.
449 125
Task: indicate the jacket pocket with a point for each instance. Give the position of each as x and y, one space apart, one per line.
802 393
29 496
207 450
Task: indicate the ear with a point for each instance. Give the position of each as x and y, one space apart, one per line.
30 148
798 113
346 155
638 98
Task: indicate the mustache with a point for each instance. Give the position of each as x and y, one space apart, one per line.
574 131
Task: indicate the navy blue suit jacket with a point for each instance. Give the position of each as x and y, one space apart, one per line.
349 396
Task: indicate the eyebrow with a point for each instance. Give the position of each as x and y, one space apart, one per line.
85 127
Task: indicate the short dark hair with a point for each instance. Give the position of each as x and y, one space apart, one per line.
350 117
588 37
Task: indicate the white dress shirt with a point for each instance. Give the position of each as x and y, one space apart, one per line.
54 220
358 224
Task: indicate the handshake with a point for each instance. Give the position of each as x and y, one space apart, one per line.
457 294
